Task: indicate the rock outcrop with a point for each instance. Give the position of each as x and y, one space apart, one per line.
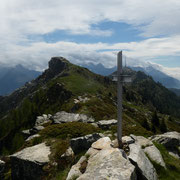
155 155
149 148
145 169
84 143
171 140
64 117
106 124
103 162
28 163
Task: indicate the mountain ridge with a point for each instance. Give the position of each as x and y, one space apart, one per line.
63 86
12 78
158 75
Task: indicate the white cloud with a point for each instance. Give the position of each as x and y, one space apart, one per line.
20 18
155 17
40 52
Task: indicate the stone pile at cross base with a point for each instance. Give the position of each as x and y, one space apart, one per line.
101 161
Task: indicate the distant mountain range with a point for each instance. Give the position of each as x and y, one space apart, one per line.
157 75
12 78
99 69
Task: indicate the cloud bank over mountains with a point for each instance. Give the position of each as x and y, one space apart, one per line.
23 23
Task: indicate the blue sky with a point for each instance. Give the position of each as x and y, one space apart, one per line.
91 31
121 32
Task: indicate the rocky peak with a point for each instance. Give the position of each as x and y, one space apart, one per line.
57 64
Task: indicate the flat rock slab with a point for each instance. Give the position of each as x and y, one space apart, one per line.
142 141
64 117
109 164
155 155
106 124
103 162
145 169
28 163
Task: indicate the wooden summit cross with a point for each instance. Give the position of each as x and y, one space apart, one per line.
120 78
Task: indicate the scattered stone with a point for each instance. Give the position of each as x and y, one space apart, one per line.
126 147
64 117
94 124
106 124
28 163
145 169
41 120
175 154
108 134
155 155
115 143
103 143
115 134
32 137
26 133
36 129
84 143
81 99
128 139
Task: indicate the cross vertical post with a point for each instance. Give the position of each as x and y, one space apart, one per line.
120 78
119 97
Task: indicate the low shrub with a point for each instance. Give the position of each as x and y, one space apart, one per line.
68 130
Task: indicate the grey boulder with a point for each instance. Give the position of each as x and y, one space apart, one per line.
64 117
106 124
145 169
149 148
102 162
109 164
28 163
155 155
169 139
84 142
